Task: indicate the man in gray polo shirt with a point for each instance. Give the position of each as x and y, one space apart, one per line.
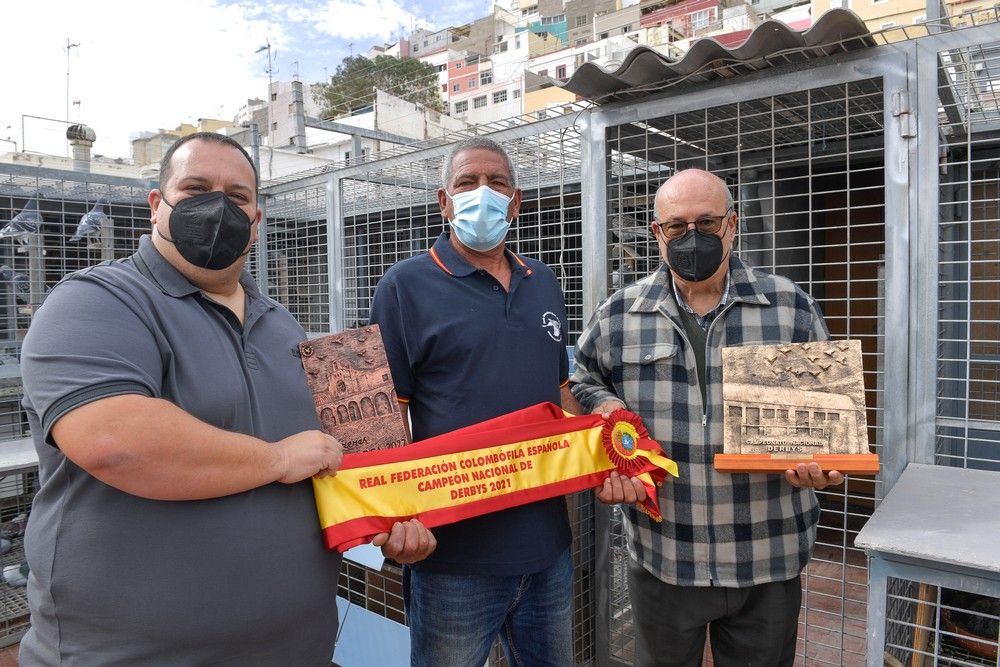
176 436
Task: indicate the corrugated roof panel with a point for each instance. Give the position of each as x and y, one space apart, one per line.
772 42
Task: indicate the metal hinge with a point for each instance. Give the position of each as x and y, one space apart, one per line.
902 109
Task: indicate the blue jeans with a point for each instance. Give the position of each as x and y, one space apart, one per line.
454 618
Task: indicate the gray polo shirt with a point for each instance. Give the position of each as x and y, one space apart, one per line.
118 579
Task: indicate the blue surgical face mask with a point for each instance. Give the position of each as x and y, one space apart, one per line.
480 219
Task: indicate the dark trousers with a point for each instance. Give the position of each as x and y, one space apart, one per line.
749 626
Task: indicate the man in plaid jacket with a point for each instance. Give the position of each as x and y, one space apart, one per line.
731 546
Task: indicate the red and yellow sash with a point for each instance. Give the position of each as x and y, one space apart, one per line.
522 457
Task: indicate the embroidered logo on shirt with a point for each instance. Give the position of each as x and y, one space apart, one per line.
552 325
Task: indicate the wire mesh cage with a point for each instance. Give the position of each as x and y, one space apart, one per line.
51 223
927 624
968 424
17 488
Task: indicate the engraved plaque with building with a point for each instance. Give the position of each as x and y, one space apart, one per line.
794 401
352 388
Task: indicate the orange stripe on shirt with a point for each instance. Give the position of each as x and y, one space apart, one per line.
437 260
521 262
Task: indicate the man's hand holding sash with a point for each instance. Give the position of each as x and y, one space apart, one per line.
522 457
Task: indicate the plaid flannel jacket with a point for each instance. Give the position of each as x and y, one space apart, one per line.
718 529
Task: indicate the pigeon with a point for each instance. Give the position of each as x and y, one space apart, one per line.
16 575
24 223
18 282
90 223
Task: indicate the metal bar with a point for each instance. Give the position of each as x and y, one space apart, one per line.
959 38
68 175
335 252
261 264
594 247
501 136
594 198
900 165
877 591
354 131
924 196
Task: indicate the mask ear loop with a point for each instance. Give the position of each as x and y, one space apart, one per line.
725 260
157 227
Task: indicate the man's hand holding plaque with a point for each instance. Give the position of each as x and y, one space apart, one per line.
797 409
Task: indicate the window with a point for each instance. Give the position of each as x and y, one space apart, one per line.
700 20
486 77
561 72
499 96
472 83
578 59
550 20
516 93
458 65
500 48
581 21
461 107
479 102
444 87
416 47
580 42
274 96
627 28
603 35
442 68
274 125
425 42
517 43
543 72
456 88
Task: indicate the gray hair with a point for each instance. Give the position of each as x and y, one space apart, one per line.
475 144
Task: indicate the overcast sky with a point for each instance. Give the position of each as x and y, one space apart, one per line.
141 65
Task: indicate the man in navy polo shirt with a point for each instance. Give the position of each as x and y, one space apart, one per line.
473 331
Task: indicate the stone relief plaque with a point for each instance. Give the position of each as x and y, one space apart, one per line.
794 402
348 374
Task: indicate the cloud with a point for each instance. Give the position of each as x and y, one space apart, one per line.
365 19
143 65
140 65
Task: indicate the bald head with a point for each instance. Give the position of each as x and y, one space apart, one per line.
690 194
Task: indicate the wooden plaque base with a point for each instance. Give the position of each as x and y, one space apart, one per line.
854 464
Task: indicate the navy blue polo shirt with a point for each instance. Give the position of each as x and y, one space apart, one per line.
463 350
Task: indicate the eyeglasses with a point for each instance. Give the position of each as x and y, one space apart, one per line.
707 224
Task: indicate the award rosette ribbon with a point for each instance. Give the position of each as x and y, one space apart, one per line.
521 457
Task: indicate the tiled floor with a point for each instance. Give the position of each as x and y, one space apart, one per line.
8 656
